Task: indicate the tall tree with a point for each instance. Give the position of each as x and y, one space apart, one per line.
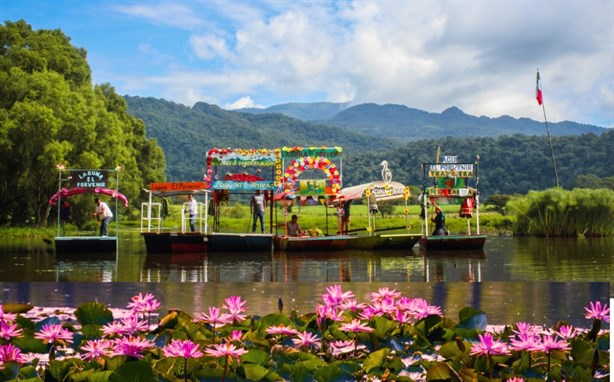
50 113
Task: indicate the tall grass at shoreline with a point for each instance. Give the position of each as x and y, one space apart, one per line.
564 213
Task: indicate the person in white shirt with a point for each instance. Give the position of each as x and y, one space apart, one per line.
258 209
104 215
192 211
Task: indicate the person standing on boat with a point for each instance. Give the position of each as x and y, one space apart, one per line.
345 216
293 228
440 221
104 215
192 211
258 208
373 204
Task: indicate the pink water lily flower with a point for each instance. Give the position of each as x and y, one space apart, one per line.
339 348
54 332
95 349
385 294
225 350
488 346
356 327
352 305
597 312
281 329
8 330
335 295
215 318
549 343
6 316
566 332
11 353
114 329
133 324
131 346
420 308
144 304
307 340
184 349
235 305
525 341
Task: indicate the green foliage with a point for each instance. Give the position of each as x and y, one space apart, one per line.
50 113
391 350
557 212
93 313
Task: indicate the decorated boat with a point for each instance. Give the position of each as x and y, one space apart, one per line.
238 173
374 193
324 164
161 239
72 182
451 183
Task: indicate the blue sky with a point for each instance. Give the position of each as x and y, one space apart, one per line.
480 56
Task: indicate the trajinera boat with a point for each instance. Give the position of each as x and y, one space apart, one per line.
243 177
159 239
451 182
374 193
322 190
73 182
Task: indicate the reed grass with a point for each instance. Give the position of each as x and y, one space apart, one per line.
564 213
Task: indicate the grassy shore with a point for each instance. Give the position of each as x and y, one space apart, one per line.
237 218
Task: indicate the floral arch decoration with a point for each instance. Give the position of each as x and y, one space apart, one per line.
299 165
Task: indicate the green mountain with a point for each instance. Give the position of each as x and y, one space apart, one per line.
316 111
406 124
509 163
186 134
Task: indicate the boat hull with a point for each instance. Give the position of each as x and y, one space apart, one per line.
85 244
453 242
307 243
175 242
383 242
234 242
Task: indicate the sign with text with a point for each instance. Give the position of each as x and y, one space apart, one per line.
177 186
264 158
89 178
244 186
451 170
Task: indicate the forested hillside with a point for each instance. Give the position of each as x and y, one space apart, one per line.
509 164
407 124
50 114
186 134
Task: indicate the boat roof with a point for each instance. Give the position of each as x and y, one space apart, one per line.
381 189
164 189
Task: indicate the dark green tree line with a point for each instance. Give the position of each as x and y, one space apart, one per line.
51 113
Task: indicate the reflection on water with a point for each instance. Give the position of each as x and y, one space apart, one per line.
193 282
503 259
504 303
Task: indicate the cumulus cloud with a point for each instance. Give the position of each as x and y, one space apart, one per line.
242 103
479 56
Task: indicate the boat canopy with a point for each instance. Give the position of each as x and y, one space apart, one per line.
66 192
381 189
165 189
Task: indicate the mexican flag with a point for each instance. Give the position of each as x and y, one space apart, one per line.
538 90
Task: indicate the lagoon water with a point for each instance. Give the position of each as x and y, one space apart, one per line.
513 279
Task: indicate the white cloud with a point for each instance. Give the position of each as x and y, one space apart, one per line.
241 103
479 56
174 14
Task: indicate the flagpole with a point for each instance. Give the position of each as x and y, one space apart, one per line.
556 175
540 101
